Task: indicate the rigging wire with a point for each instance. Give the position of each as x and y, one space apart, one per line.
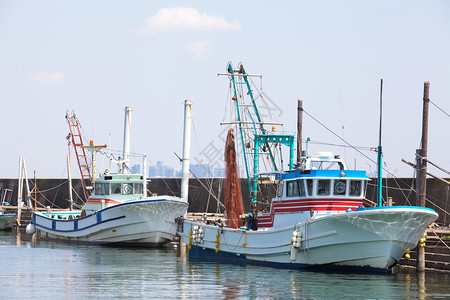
444 112
357 150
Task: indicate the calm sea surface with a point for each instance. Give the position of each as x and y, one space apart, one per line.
59 271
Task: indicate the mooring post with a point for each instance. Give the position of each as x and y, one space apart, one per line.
422 168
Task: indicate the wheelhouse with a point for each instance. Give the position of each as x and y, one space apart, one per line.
325 187
119 184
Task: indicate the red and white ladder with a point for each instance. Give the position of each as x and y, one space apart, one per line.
77 142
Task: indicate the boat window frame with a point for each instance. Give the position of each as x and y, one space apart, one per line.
335 187
101 188
361 187
301 187
325 191
138 188
291 192
114 186
125 186
310 186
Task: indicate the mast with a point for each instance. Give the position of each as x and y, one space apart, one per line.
144 174
186 150
380 154
69 175
299 133
93 150
74 138
238 113
126 140
20 191
261 139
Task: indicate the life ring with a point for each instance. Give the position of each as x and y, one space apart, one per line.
83 213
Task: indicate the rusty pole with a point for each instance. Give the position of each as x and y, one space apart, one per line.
422 168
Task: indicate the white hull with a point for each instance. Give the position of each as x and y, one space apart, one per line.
143 222
372 239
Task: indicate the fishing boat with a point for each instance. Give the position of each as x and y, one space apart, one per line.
316 220
119 210
7 221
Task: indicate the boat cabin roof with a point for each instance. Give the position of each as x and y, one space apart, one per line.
120 177
323 165
310 174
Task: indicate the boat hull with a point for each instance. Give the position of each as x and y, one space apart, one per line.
371 240
7 221
148 222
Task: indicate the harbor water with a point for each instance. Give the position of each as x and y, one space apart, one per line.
41 269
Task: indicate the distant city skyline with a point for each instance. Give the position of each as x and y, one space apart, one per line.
160 170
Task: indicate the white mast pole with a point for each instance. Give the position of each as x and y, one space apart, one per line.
26 182
186 150
69 175
126 139
19 190
144 174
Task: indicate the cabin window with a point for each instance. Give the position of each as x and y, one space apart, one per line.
292 188
340 187
364 188
301 187
355 187
102 188
127 188
116 188
323 187
309 186
138 188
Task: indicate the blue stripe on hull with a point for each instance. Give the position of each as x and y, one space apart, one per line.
199 254
106 244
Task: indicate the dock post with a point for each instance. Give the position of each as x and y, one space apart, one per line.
422 168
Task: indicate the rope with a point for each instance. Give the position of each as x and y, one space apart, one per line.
440 238
357 150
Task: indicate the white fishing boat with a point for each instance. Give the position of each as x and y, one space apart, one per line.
119 210
317 219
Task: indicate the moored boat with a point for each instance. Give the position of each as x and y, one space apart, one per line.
316 220
7 221
119 210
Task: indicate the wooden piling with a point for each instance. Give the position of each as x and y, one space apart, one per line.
422 168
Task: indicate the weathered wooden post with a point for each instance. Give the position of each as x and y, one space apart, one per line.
299 133
422 168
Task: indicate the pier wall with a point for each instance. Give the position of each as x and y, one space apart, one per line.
55 193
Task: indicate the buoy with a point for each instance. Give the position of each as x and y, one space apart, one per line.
30 229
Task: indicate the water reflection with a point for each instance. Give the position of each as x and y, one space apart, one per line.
42 268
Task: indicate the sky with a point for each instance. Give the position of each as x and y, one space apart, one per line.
97 57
